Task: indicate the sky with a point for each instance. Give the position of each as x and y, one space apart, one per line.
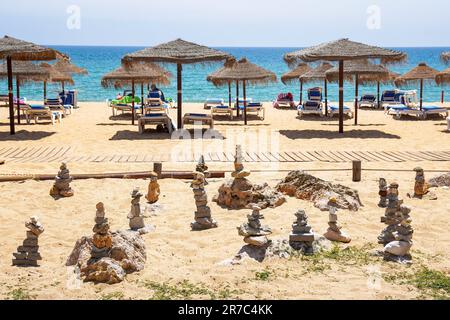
228 23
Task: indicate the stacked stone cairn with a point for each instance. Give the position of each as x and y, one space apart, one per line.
302 236
397 236
203 168
421 187
27 254
136 215
334 232
203 219
240 193
61 187
382 193
253 232
153 189
102 239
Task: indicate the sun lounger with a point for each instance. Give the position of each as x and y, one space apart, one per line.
4 99
368 101
334 110
162 119
389 97
314 103
209 103
38 111
256 108
221 110
284 100
122 106
408 105
241 102
56 104
193 118
69 98
155 105
397 111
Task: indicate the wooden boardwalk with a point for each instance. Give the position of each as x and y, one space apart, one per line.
59 154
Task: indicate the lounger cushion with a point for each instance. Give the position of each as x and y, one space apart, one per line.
336 108
196 115
433 108
37 107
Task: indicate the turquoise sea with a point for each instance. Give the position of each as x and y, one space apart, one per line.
100 60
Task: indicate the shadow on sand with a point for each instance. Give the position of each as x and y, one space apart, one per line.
153 134
25 135
324 134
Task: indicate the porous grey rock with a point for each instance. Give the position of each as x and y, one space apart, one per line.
307 187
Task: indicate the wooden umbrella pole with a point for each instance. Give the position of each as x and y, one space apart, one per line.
142 98
356 98
326 96
378 94
301 92
229 94
45 92
180 95
237 98
341 96
245 101
421 94
63 88
18 98
442 96
12 129
132 102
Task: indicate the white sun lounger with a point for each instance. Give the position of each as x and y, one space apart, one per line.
222 110
193 118
37 111
155 119
210 103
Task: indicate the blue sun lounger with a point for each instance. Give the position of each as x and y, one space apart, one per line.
334 110
314 105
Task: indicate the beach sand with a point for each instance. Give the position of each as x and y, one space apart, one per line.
175 254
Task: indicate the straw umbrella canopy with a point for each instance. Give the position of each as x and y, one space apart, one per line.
54 76
19 50
319 74
421 73
139 73
23 71
343 50
245 71
392 76
443 77
446 57
179 52
294 75
355 69
67 67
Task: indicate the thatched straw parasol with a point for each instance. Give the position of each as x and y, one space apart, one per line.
343 50
355 69
245 71
55 75
319 74
445 57
19 50
138 73
443 77
421 73
392 76
178 52
64 65
294 75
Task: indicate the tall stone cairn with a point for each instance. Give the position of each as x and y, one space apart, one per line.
253 232
27 254
203 168
334 232
382 192
203 219
102 239
61 187
136 216
302 236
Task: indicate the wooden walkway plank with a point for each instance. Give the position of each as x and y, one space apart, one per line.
291 157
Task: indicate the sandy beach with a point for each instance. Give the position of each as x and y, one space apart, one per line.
184 264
